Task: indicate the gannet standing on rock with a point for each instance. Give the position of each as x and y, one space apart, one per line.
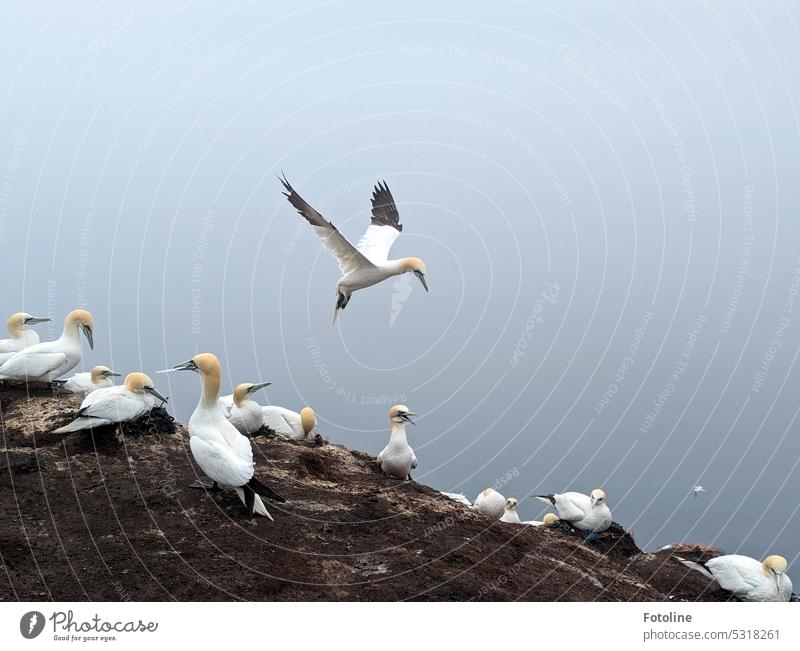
121 404
367 263
290 424
585 512
747 578
241 410
490 503
397 459
99 377
47 361
217 446
21 336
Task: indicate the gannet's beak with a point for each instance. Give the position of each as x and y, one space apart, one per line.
185 366
594 502
87 330
33 320
778 576
406 416
421 277
258 386
154 392
112 374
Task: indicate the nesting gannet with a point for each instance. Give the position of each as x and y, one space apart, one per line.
585 512
51 359
121 404
219 449
747 578
21 336
457 497
397 459
490 503
510 514
99 377
698 489
548 520
290 424
241 410
367 263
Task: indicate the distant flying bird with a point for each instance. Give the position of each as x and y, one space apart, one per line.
585 512
51 359
367 263
747 578
698 489
21 335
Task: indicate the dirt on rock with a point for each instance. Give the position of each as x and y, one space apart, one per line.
109 515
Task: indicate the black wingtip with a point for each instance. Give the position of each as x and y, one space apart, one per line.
264 491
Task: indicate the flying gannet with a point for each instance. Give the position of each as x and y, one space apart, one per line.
747 578
698 489
21 335
290 424
122 404
397 459
585 512
490 503
241 410
367 263
51 359
99 377
219 449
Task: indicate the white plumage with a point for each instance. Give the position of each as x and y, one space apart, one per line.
490 503
585 512
747 578
290 424
21 336
99 377
397 459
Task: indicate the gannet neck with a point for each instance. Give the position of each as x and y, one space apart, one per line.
240 395
398 435
16 325
210 391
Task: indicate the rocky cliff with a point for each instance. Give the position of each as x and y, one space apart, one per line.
108 515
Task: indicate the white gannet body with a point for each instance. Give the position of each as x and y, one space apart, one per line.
48 360
397 459
100 377
290 424
490 503
747 578
457 497
225 455
120 404
585 512
21 335
548 520
510 514
241 410
367 263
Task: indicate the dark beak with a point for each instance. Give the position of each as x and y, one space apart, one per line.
421 277
406 416
185 366
87 330
112 374
33 320
258 386
153 391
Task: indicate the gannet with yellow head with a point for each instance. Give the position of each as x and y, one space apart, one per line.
397 459
122 404
510 514
289 424
217 446
588 513
51 359
367 263
99 377
21 335
242 410
490 503
747 578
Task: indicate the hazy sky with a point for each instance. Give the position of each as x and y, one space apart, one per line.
604 194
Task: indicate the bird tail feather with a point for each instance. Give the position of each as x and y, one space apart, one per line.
697 566
260 489
547 499
84 422
256 506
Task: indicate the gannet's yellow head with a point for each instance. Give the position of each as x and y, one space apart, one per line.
549 519
102 372
400 414
242 391
488 491
511 504
17 322
775 567
138 382
417 267
598 497
209 368
82 320
308 419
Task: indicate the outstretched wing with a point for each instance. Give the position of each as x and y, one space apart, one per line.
384 229
348 257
